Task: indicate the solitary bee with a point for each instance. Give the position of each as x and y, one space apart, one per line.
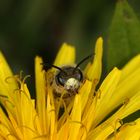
67 79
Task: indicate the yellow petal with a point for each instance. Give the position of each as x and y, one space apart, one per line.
126 88
65 115
75 122
28 114
130 67
40 92
18 130
84 92
94 71
112 123
130 131
131 105
50 115
102 107
7 81
65 56
102 134
63 132
5 125
89 117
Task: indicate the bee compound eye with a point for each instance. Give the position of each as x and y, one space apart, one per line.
78 75
60 78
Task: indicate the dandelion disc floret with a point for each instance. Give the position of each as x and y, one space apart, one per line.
85 116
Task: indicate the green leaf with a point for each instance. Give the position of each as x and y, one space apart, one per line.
124 36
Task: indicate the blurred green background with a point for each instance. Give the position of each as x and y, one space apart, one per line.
39 27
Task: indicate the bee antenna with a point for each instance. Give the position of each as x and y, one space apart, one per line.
89 56
51 65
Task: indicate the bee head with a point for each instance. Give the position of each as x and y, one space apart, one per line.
70 78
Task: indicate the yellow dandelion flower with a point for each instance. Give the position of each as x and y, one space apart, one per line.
85 116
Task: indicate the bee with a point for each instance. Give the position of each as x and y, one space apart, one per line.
67 79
